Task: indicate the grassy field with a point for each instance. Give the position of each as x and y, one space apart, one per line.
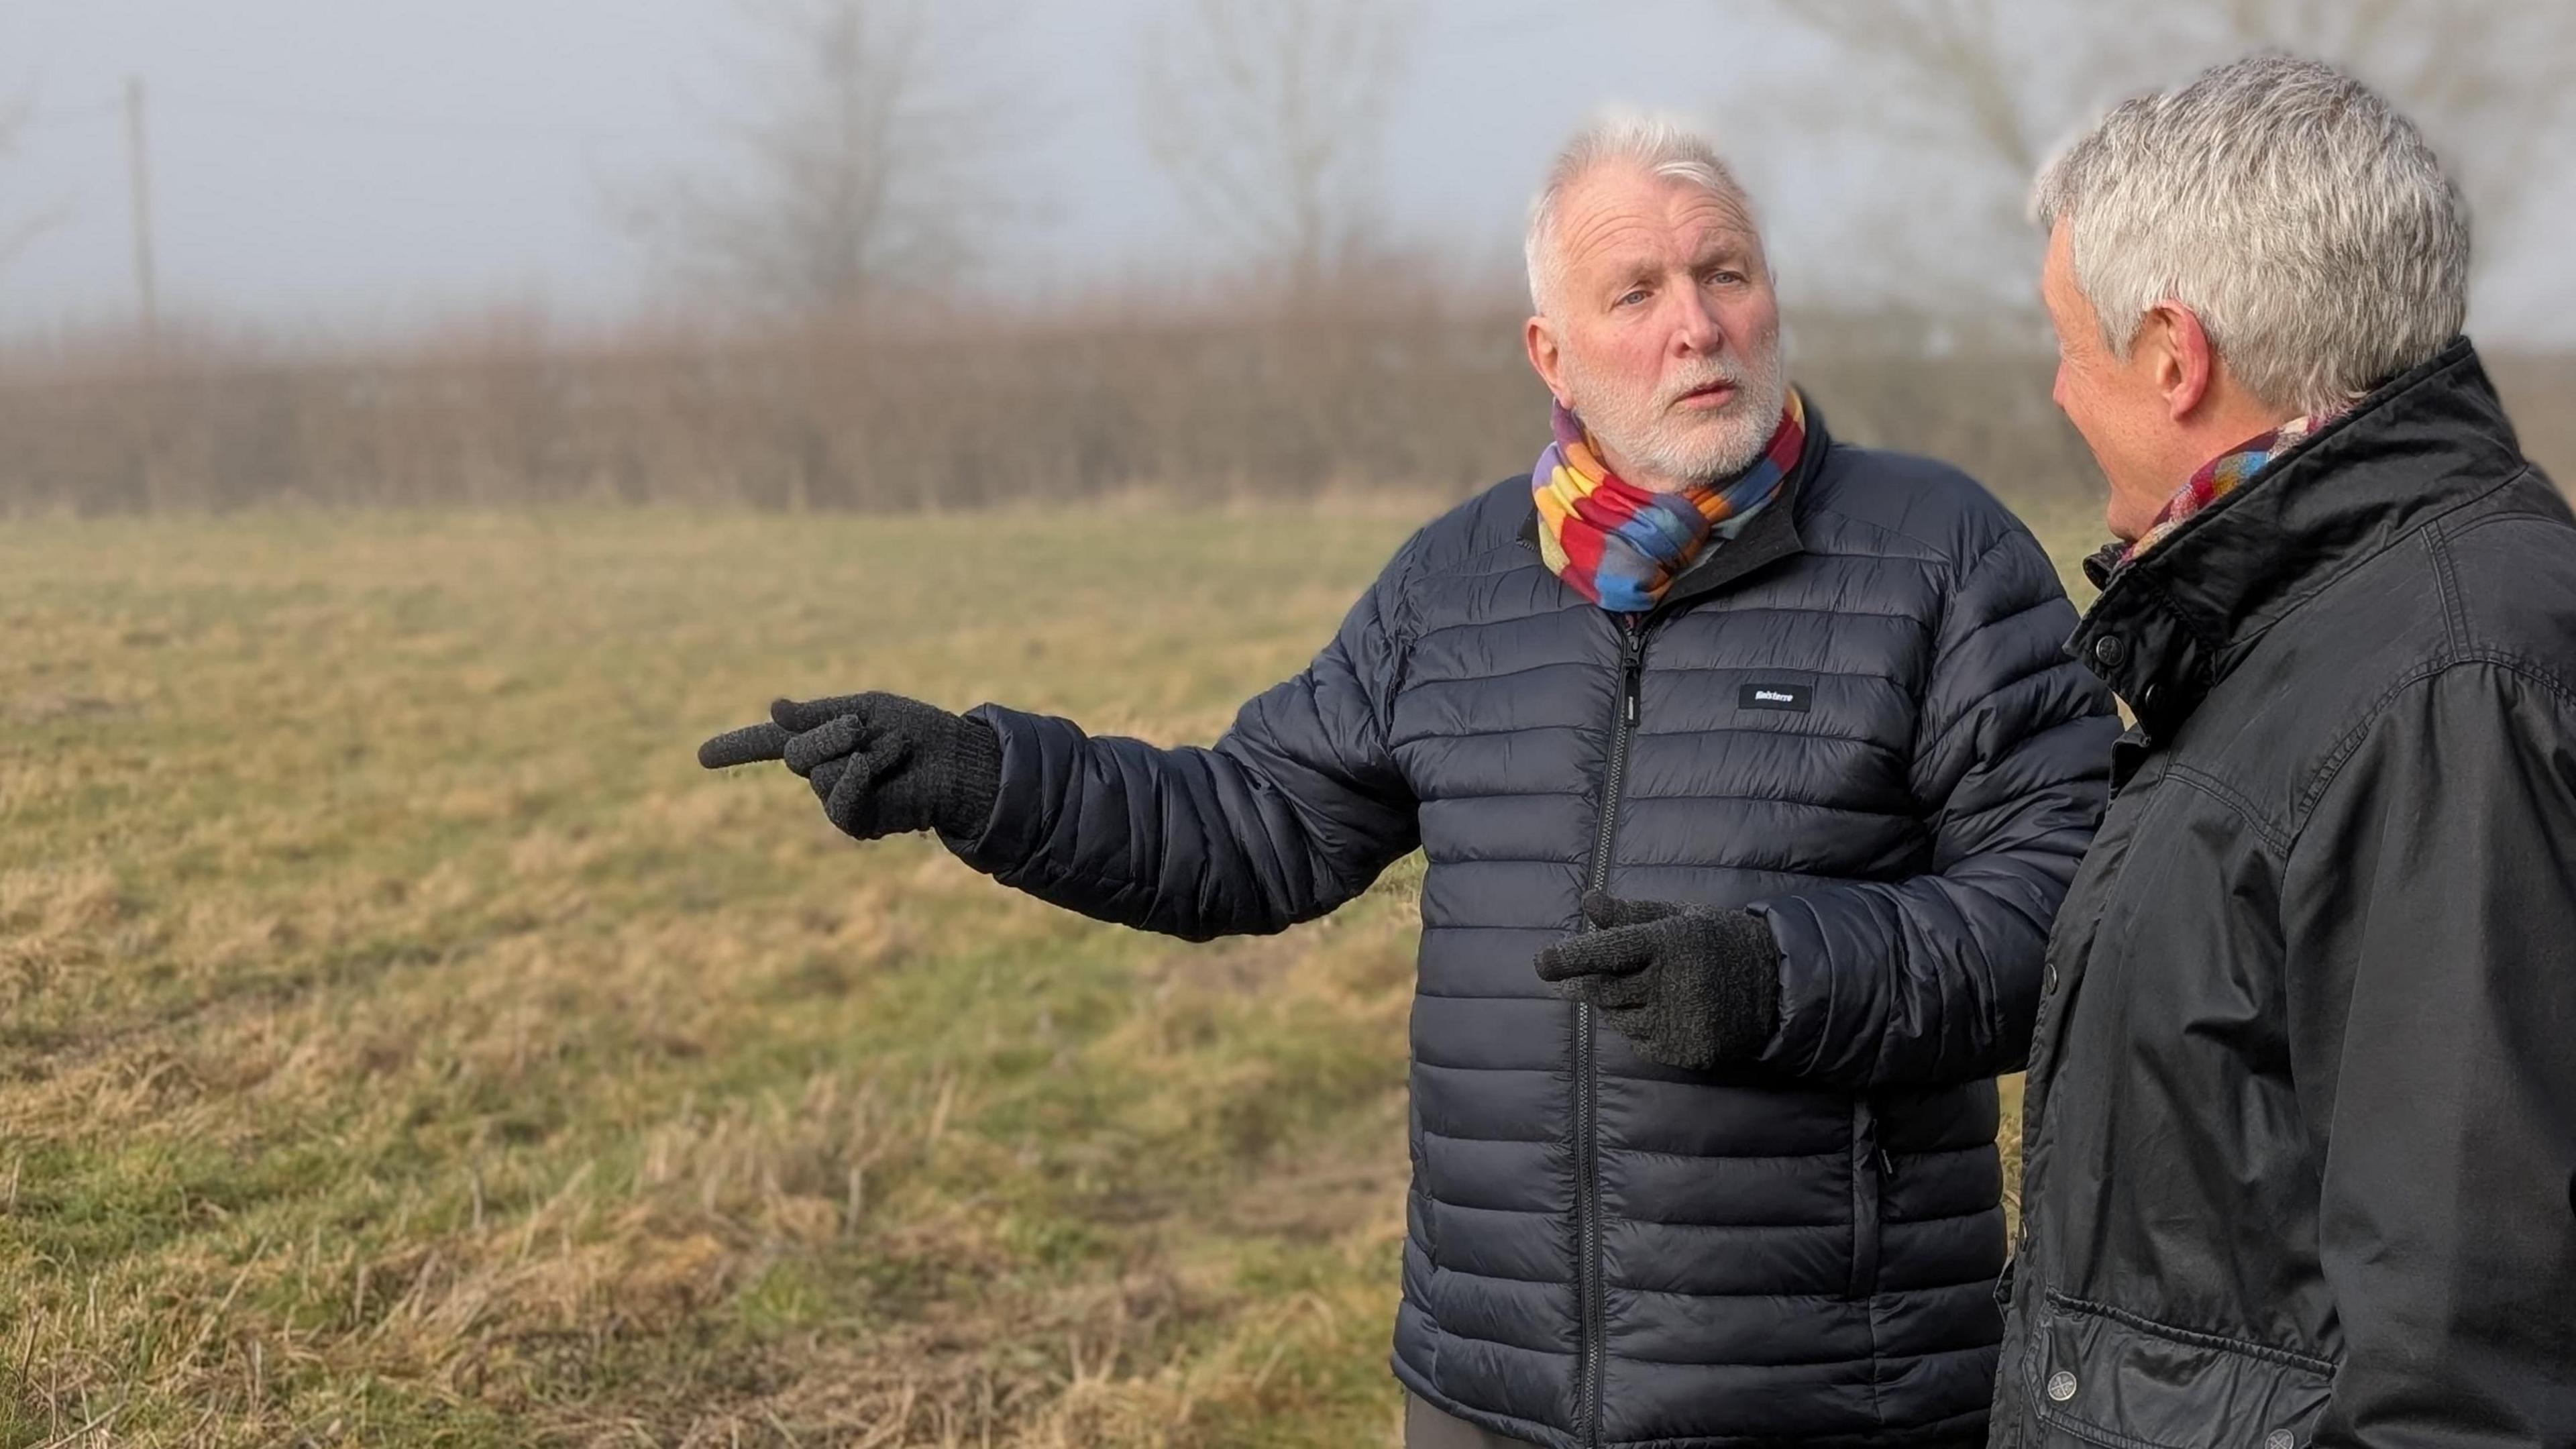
402 1042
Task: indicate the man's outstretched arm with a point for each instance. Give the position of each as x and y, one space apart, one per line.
1294 811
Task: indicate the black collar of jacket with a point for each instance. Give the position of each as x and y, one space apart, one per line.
1770 537
2169 626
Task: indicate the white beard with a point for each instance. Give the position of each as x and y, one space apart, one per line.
1679 450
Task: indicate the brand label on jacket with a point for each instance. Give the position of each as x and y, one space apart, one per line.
1797 697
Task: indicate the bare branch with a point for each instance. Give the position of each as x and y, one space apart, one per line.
851 175
1989 84
2485 78
1957 61
1269 119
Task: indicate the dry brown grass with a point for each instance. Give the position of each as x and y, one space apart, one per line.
402 1042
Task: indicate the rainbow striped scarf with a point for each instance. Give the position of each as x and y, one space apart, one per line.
2223 475
1620 545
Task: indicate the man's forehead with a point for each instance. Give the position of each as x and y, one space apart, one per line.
1624 217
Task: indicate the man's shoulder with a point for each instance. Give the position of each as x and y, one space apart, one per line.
2481 599
1483 523
2507 573
1877 501
2496 575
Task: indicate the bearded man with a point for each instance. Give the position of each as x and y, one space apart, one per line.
1750 773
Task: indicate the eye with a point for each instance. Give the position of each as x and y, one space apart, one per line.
1631 297
1726 277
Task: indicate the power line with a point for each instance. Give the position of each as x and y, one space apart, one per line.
307 117
377 120
49 118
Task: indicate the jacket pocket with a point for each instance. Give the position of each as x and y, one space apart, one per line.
2110 1377
1868 1182
1426 1221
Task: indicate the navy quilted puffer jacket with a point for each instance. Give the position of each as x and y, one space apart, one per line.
1856 718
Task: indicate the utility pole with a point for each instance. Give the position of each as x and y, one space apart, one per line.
139 170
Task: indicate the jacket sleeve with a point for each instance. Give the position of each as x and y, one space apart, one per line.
1296 809
1935 979
2428 910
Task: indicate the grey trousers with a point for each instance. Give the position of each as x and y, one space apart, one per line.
1427 1428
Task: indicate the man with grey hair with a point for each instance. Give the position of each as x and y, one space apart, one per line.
2301 1113
1708 1162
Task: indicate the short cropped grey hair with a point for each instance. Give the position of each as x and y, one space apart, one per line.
2298 215
1658 145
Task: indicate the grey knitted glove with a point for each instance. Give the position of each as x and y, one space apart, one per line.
1686 985
880 763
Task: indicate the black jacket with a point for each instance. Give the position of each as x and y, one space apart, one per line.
1601 1250
2301 1114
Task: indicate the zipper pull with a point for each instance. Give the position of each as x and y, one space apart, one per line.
1886 1165
1632 671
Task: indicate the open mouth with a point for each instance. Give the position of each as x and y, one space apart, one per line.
1707 397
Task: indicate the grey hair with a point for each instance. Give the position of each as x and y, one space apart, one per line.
2298 215
1658 145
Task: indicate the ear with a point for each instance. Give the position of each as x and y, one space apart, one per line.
1538 338
2175 351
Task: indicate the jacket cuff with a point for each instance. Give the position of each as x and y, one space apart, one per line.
1802 1002
1005 833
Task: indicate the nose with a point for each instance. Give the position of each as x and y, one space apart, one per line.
1696 328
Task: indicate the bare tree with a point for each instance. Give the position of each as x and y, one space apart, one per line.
2487 79
1959 56
1990 86
1957 103
852 175
1270 117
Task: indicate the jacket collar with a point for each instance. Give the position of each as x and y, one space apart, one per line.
1770 536
2172 622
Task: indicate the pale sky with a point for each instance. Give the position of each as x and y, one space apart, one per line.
337 164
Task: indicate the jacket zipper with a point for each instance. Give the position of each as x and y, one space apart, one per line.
1632 662
1871 1168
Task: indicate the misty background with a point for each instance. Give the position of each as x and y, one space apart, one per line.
1155 224
406 1043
